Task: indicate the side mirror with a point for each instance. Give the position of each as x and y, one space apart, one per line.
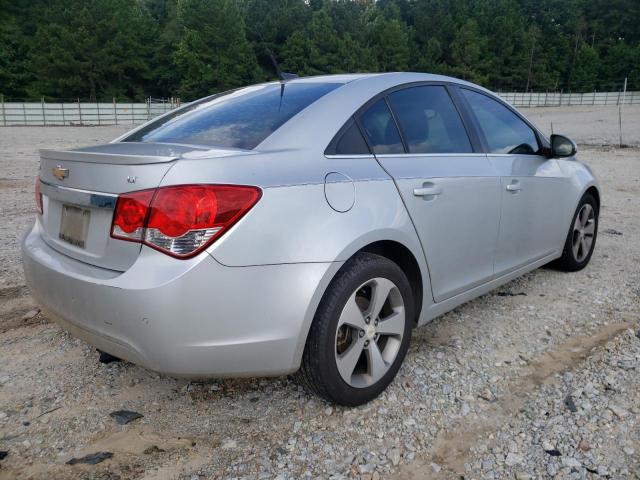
562 146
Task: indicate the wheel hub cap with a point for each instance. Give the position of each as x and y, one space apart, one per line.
371 332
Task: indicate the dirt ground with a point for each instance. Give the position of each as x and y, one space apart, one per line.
538 379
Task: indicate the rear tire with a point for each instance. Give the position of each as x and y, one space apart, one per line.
360 333
581 239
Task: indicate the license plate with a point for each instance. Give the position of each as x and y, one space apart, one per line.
74 225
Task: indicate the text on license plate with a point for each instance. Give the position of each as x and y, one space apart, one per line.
74 225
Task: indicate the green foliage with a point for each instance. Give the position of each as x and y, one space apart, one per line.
100 49
90 47
213 53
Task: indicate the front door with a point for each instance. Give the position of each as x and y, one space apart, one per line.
451 192
533 208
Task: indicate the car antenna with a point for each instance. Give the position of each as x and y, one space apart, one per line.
282 76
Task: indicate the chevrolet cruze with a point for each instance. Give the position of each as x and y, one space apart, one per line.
302 226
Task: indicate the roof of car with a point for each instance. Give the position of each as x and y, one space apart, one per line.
337 106
400 77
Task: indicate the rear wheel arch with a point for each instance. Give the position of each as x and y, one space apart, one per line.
404 258
395 250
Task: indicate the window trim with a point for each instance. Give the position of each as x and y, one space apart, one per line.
358 119
543 144
477 147
330 151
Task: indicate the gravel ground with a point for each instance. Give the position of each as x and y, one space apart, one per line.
540 378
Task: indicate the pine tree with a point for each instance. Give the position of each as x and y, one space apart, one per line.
213 53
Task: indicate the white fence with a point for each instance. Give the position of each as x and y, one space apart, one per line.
82 113
555 99
121 113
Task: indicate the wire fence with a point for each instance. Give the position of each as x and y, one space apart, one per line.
558 99
77 113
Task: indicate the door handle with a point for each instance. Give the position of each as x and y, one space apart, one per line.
427 191
514 187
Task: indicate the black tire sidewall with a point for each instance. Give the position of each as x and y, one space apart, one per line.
568 257
363 268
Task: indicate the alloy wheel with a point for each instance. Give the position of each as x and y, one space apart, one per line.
369 332
583 232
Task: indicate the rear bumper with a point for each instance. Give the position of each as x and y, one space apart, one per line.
193 317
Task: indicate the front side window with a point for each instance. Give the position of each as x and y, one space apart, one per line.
380 129
429 120
241 118
504 131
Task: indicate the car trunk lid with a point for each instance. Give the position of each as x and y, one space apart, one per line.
80 188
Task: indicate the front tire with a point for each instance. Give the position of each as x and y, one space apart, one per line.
360 333
581 239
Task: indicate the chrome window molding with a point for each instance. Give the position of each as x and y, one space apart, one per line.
359 155
395 155
80 197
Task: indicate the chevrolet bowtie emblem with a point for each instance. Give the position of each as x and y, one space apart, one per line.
60 173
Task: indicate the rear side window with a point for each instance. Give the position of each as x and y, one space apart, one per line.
429 120
238 119
351 142
380 129
504 131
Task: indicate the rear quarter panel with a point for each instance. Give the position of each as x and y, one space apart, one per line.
293 222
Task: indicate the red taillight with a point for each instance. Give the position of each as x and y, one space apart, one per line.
130 215
181 220
39 204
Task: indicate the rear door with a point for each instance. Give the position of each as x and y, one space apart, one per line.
449 187
533 186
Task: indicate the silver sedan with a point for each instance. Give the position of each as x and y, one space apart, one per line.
303 226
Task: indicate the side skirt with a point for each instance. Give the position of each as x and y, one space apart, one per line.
437 309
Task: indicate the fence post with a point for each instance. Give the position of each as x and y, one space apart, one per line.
148 108
44 115
133 116
115 111
24 113
4 118
62 108
79 111
98 109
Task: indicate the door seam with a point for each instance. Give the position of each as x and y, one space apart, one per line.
424 254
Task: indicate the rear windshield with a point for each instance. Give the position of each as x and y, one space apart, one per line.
237 119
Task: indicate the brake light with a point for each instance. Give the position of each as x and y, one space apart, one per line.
39 203
181 220
130 215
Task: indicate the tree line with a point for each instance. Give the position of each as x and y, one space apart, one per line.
128 49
